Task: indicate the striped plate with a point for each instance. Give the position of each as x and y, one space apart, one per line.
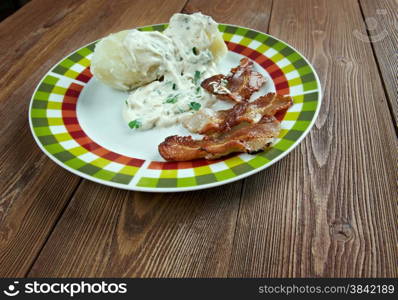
61 102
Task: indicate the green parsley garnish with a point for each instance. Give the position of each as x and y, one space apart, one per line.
135 124
126 102
174 86
196 77
194 105
195 51
172 99
198 90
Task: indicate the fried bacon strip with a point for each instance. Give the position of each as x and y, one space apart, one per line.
210 122
251 138
245 128
238 86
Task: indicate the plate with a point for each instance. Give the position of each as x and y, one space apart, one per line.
76 120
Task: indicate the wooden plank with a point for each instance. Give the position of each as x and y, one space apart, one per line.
109 232
32 195
27 25
34 190
329 208
382 25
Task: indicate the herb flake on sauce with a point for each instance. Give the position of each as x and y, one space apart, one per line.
135 124
195 106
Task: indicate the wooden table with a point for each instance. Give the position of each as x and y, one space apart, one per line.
328 209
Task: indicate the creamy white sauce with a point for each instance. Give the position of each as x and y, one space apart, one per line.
180 58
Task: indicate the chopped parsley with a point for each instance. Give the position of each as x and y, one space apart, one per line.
174 86
195 106
198 90
172 99
126 102
135 124
196 77
195 51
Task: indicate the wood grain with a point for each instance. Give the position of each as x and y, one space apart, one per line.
108 232
34 190
26 26
112 233
329 208
382 25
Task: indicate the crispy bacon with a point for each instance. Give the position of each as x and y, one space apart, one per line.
210 122
245 128
250 138
238 86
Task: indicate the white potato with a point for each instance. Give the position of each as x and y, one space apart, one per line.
112 64
131 58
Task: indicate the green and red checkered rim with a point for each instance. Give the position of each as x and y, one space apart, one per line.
56 128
